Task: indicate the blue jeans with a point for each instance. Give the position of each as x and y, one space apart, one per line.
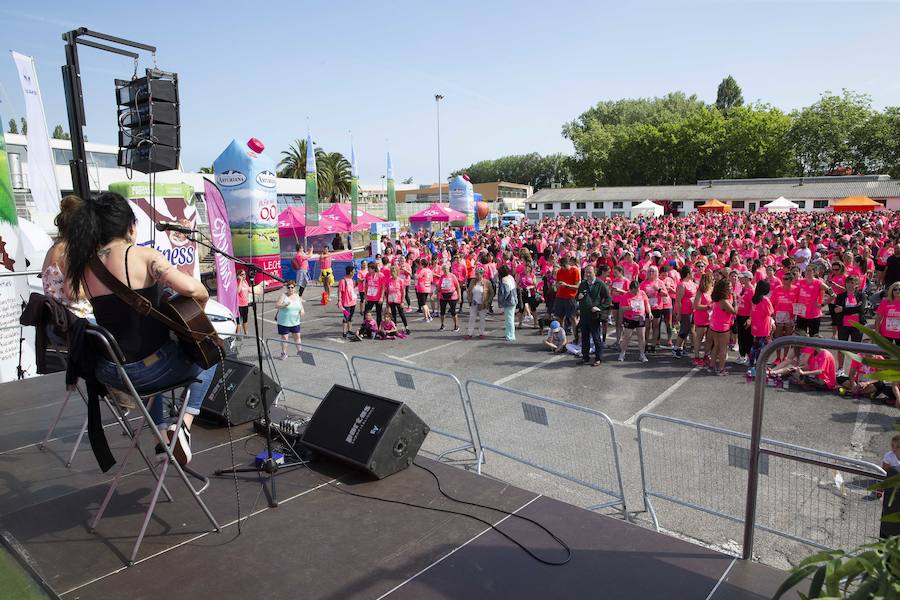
167 366
509 314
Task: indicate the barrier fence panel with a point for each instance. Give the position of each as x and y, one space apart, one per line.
436 397
821 501
558 449
307 376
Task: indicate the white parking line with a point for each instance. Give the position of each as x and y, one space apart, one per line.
414 354
400 358
858 441
662 397
527 370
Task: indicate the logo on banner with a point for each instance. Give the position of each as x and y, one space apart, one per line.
230 178
266 179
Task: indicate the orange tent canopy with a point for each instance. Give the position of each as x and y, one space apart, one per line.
714 206
854 203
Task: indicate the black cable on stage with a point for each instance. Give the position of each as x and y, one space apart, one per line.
528 551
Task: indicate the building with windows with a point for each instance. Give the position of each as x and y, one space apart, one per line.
810 193
103 170
509 196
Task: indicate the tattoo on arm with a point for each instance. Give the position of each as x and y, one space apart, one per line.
158 268
103 252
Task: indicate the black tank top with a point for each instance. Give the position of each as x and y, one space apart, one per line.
138 336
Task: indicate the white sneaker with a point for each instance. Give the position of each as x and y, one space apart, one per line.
644 358
622 357
182 450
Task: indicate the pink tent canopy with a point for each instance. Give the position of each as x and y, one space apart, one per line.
336 219
437 212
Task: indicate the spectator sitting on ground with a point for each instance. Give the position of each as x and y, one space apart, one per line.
818 374
369 327
388 329
857 383
556 338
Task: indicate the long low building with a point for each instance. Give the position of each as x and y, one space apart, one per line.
810 193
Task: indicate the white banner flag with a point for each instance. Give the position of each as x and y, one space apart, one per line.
41 173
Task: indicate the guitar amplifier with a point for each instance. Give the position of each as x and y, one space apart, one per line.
240 384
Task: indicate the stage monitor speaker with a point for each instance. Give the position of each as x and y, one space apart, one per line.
374 434
241 385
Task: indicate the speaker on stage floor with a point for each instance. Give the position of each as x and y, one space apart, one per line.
240 384
374 434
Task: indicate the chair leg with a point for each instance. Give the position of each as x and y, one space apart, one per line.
119 472
77 443
56 420
153 499
127 430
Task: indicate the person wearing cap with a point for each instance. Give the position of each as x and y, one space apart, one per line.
556 338
594 302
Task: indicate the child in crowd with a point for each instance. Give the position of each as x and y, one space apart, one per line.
892 458
388 329
556 338
369 327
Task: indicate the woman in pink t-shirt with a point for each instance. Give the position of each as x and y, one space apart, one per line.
243 298
760 323
423 288
374 291
684 309
347 296
720 321
701 306
655 289
744 298
617 291
637 311
449 292
394 293
808 306
887 317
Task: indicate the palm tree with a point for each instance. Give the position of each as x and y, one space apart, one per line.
334 172
293 165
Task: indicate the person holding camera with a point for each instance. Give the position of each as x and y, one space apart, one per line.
594 303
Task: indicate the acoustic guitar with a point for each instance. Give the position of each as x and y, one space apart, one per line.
181 314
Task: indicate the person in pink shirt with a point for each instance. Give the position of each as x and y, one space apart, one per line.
821 371
808 306
683 307
394 287
701 309
760 325
243 298
424 276
887 316
720 321
618 289
405 278
744 298
655 289
347 296
666 297
374 291
634 319
449 293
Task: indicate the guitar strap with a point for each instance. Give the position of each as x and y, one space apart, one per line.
141 305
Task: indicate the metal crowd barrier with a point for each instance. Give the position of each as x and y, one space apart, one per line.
575 448
757 452
435 396
306 376
808 496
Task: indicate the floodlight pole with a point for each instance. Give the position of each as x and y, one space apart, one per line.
437 104
71 73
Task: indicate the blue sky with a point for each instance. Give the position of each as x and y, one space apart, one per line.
512 72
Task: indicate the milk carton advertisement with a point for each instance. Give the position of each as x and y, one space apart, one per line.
462 198
246 178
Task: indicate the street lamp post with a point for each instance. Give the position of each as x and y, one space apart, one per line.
437 104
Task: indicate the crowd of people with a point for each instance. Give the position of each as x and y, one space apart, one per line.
704 286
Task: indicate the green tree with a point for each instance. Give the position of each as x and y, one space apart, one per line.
728 95
756 144
24 126
528 169
60 134
207 170
13 126
334 174
829 134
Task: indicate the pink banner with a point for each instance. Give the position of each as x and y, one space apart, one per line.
220 231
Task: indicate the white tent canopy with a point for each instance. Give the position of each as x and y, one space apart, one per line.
646 209
781 204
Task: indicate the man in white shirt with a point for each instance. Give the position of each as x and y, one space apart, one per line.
802 255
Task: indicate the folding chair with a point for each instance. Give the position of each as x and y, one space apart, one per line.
111 351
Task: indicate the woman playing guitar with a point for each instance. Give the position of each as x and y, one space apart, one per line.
105 227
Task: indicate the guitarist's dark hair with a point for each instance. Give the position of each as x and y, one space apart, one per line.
95 223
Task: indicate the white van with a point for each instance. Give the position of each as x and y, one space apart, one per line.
511 218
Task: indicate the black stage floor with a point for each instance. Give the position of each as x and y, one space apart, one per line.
320 542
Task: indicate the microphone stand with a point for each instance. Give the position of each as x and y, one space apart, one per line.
268 465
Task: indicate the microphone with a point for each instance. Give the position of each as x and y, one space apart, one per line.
169 226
